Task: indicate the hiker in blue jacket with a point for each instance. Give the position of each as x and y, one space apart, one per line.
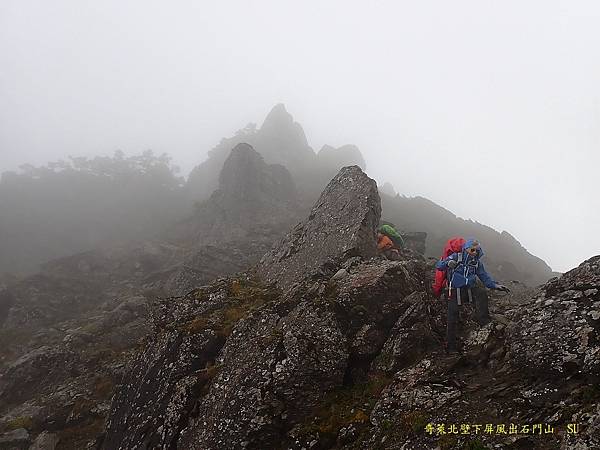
463 269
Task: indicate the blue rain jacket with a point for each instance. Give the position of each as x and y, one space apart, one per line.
469 266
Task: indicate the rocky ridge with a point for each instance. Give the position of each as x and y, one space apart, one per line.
328 349
280 140
296 338
66 332
350 356
506 258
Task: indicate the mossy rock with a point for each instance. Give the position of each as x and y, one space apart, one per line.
347 405
19 422
244 296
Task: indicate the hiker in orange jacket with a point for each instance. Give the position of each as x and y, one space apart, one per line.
385 246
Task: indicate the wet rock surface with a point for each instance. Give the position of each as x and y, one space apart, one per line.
341 224
350 355
558 333
67 332
322 345
282 356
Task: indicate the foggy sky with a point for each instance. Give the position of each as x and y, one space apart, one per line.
491 109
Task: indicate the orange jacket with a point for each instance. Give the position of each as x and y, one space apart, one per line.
384 243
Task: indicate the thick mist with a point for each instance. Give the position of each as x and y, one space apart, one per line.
491 110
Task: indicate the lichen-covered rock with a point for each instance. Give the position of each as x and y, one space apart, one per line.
162 384
279 363
15 439
341 224
370 300
165 380
35 371
584 278
273 370
411 337
45 441
558 333
588 430
281 357
411 391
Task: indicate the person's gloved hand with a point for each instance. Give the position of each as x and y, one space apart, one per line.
452 264
501 287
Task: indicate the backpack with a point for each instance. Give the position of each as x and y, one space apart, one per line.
391 232
453 245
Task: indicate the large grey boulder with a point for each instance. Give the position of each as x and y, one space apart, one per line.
274 370
280 140
15 439
45 441
254 204
556 333
341 224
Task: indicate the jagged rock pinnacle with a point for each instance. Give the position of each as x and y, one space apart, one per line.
342 223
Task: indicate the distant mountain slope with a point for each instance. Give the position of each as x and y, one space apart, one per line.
254 202
504 257
64 208
280 140
254 206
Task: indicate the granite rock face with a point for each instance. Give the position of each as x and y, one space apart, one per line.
341 224
324 346
160 387
558 333
242 363
67 331
253 199
254 384
321 345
